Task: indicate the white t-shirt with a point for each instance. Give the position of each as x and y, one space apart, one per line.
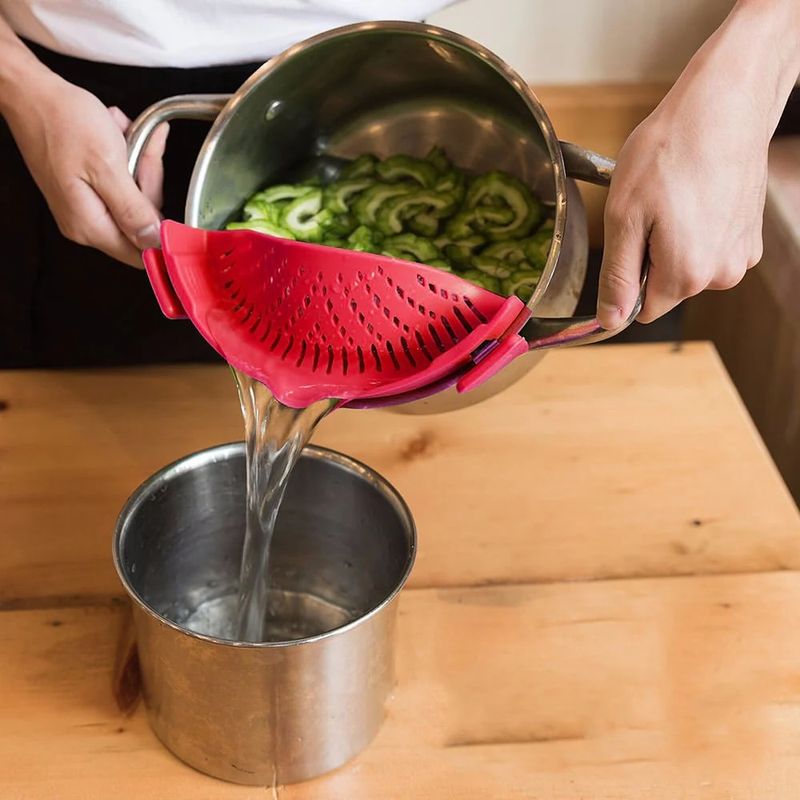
191 33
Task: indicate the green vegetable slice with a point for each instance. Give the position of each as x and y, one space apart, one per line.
393 212
300 216
482 279
462 251
548 225
396 168
282 191
340 195
521 283
262 226
398 206
461 225
488 190
408 245
442 241
537 247
259 209
438 158
455 182
483 219
365 240
424 224
492 266
370 201
336 225
512 252
363 166
493 215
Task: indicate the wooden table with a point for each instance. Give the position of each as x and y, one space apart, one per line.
605 602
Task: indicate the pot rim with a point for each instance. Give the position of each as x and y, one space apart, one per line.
205 155
223 452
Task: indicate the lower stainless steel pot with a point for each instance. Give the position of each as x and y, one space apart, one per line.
285 710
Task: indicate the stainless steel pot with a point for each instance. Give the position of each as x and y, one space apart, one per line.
281 711
385 88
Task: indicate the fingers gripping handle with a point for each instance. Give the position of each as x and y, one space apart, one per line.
544 333
188 106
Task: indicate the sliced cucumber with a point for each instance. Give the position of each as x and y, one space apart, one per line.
438 158
262 226
259 209
512 252
363 166
482 279
340 196
407 245
455 182
392 214
300 216
365 240
462 225
424 224
462 251
490 189
492 266
537 247
493 215
370 201
337 224
423 210
521 283
397 168
282 191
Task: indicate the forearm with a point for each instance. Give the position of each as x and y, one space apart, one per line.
20 70
755 53
689 186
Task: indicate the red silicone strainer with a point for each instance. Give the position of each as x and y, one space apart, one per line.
315 323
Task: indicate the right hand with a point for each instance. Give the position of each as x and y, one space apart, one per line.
75 150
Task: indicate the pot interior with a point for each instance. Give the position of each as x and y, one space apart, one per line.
343 544
384 88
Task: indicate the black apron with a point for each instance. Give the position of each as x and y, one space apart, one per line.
64 305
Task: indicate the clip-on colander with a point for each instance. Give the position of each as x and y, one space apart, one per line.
316 323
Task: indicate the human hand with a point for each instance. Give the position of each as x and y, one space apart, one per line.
690 182
689 185
75 150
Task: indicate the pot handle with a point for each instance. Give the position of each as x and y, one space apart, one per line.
545 332
182 106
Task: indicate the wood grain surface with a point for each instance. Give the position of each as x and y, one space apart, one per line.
648 688
603 606
601 462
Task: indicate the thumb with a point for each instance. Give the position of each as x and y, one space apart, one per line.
620 272
133 213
